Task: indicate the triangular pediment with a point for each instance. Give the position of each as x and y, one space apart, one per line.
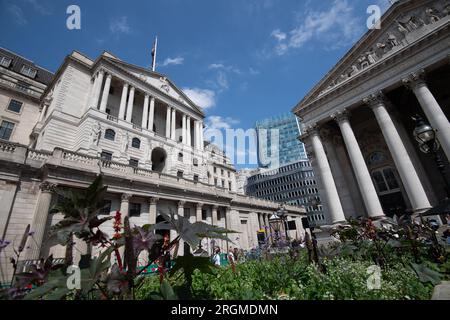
159 82
405 22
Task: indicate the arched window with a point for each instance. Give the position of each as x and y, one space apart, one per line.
180 157
110 134
136 143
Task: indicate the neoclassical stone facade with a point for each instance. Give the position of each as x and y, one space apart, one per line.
358 123
145 136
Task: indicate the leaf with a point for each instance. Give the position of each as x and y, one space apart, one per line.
425 274
167 291
189 264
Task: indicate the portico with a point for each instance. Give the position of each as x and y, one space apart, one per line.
357 120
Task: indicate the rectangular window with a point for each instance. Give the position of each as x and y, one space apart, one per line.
6 130
180 174
229 185
5 62
28 71
15 106
204 214
215 181
223 183
135 209
196 177
134 163
106 155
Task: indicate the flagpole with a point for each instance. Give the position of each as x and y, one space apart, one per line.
155 47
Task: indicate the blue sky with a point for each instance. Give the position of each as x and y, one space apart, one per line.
242 60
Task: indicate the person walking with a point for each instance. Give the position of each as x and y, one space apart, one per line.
216 256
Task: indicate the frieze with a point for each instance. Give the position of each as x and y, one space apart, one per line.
402 31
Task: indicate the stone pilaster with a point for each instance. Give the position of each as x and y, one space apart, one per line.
39 221
152 213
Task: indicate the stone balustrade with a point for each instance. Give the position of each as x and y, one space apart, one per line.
60 157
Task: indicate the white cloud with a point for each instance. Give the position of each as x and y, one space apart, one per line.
204 98
277 34
120 25
17 14
216 66
334 28
173 61
220 123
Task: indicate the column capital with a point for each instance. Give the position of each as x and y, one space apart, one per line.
375 99
312 130
47 187
341 116
415 79
199 205
126 196
181 203
126 84
146 95
101 72
215 207
153 200
108 75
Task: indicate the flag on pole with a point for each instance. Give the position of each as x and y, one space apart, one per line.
155 46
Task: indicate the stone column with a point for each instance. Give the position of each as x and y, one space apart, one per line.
151 114
431 108
168 115
125 205
196 134
152 212
105 95
198 213
43 111
183 129
97 87
123 102
180 214
201 135
188 133
173 125
331 194
145 112
410 179
214 215
39 222
130 105
368 192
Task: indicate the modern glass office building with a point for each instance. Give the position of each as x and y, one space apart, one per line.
288 129
292 181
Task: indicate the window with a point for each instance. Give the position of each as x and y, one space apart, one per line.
105 155
136 143
5 62
204 214
28 71
385 180
229 186
215 170
106 208
195 162
15 106
223 183
180 157
134 163
196 177
229 174
180 174
215 181
135 209
6 130
23 86
110 134
221 172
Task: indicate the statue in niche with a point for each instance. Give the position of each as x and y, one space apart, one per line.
96 133
432 16
125 142
392 40
355 69
381 48
370 56
402 28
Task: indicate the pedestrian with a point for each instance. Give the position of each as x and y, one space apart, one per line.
216 256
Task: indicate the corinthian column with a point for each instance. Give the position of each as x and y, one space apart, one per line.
431 108
105 95
368 192
97 87
410 179
130 105
198 209
331 194
145 112
173 125
39 221
152 210
151 115
168 115
123 102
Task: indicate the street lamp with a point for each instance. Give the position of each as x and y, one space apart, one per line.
275 223
282 214
425 136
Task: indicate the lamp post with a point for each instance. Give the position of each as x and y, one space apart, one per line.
282 214
425 136
275 224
